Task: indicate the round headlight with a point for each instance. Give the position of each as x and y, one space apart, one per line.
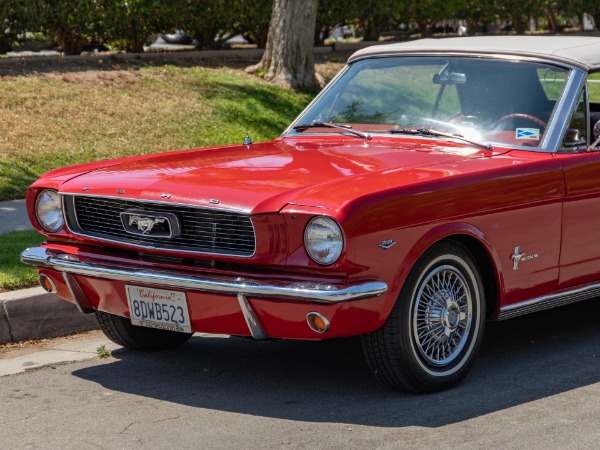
323 240
48 210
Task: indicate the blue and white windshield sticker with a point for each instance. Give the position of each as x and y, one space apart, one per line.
528 133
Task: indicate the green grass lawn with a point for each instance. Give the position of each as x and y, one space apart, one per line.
13 273
55 119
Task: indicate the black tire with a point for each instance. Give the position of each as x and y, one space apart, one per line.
121 331
443 298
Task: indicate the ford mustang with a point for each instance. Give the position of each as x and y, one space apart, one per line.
432 186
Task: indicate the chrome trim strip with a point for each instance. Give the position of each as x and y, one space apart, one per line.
81 300
256 329
549 301
477 54
567 103
308 291
161 202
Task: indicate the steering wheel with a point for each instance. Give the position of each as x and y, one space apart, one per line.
531 118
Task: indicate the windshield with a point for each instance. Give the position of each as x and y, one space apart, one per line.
498 101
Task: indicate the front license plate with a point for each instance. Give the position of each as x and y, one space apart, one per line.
158 308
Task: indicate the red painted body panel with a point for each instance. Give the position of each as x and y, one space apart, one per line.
580 258
262 177
409 190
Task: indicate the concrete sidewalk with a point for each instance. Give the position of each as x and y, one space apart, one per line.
31 356
13 216
33 313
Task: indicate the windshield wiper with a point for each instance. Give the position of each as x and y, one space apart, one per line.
346 128
433 132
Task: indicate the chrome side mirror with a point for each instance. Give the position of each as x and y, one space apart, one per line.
573 138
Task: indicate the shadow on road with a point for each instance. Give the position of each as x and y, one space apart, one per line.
522 360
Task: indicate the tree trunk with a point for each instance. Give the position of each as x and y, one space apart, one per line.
519 22
288 60
134 40
370 29
4 45
71 43
207 39
425 27
321 33
552 23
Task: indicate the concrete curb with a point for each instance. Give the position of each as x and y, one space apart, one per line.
244 54
35 314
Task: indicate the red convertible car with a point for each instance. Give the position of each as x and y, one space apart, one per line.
432 186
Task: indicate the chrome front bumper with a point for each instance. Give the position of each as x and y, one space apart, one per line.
307 291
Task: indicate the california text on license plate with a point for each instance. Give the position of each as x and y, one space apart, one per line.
158 308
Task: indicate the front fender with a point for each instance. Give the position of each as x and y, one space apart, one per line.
436 234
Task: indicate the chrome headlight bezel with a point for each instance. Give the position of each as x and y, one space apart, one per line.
323 240
49 211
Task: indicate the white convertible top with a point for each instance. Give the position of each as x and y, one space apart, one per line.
582 51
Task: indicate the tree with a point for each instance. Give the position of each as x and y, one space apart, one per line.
519 12
579 7
69 24
288 60
476 13
332 14
253 20
14 19
427 12
375 16
130 23
209 22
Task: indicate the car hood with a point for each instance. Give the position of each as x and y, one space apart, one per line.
265 177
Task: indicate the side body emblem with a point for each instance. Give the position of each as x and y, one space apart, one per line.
519 256
386 244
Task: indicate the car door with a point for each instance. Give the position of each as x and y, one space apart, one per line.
580 252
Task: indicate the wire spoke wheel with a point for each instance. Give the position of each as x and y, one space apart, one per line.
431 337
442 316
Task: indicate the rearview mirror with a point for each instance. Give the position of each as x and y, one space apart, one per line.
450 78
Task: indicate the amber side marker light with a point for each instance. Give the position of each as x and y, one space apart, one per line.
317 322
47 284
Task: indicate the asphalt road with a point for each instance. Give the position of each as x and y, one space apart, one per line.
536 384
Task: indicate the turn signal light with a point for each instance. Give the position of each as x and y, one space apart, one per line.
317 322
47 284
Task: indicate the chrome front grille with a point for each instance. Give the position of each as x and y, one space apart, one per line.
203 230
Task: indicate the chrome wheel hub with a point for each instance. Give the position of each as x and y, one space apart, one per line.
442 315
452 316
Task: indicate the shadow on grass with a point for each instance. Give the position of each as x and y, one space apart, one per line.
16 175
522 360
256 107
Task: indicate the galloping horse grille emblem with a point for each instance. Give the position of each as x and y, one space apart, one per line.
145 224
149 223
